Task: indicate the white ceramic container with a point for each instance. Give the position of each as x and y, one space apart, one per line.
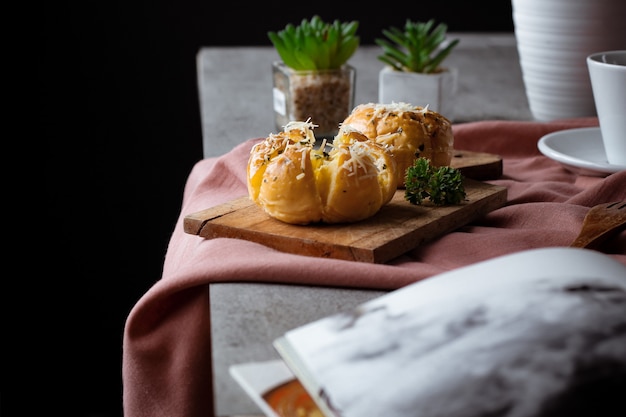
436 91
554 38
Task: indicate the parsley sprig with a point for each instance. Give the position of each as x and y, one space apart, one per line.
441 185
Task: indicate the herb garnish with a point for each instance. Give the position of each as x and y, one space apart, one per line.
441 185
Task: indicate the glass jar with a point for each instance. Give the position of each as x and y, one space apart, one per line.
326 97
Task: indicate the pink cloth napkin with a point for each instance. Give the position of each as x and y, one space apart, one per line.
166 358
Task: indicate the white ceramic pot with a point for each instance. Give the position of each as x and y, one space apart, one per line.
435 90
554 37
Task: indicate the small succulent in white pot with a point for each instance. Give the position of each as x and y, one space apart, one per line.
414 71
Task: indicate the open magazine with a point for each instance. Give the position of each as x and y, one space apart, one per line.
515 333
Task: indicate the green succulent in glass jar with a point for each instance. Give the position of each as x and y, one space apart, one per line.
316 44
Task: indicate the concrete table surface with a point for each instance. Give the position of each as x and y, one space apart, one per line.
235 86
235 93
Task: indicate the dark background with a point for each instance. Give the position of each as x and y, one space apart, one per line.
121 119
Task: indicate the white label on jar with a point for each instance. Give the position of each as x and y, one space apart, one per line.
279 102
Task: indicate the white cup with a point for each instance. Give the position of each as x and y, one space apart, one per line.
607 71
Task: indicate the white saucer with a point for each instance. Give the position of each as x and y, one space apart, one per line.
580 150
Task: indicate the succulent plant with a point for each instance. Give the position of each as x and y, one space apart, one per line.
315 44
418 47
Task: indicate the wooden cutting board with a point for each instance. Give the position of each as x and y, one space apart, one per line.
477 165
396 229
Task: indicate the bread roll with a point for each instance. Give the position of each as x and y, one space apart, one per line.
296 183
410 131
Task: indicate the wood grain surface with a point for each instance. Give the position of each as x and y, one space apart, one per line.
477 165
396 229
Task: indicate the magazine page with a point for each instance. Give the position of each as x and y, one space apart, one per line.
508 333
274 389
